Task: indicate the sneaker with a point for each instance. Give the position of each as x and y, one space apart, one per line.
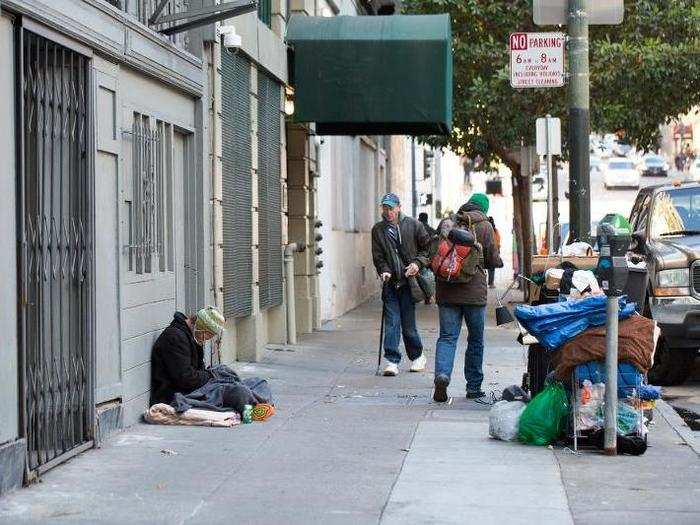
440 392
419 364
391 370
476 394
492 286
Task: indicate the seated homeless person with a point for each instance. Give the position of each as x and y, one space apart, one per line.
464 297
400 247
177 359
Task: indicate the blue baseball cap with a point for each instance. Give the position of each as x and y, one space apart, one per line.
391 199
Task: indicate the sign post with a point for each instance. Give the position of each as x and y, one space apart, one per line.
548 144
537 60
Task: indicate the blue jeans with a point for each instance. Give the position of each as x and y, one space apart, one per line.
450 326
400 318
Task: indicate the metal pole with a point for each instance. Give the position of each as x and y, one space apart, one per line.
414 189
611 377
291 306
550 194
579 121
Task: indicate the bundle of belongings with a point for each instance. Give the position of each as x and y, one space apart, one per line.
573 332
570 282
224 401
555 324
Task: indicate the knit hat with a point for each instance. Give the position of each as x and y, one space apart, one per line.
480 200
211 320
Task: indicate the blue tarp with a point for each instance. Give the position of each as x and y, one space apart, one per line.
555 324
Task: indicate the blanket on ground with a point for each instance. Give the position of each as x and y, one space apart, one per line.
225 392
635 346
162 414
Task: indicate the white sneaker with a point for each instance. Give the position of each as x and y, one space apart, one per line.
419 364
391 370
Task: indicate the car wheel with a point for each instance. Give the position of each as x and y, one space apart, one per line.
672 366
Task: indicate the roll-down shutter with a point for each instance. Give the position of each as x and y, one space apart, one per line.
269 192
237 186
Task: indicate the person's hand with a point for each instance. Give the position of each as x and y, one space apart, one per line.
385 277
411 270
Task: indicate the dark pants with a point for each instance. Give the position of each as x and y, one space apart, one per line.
400 312
492 276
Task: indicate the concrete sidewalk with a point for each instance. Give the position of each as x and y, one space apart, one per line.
349 447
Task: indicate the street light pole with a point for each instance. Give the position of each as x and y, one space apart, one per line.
579 121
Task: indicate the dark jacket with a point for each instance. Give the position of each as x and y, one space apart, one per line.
415 247
475 290
177 362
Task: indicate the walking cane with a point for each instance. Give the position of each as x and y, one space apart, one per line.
381 334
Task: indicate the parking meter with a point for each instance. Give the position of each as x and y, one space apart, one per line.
612 272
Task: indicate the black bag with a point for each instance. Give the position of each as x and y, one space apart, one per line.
515 393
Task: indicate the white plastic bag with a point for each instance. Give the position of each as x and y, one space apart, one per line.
504 418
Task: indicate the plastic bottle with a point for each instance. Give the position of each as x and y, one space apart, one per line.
586 392
248 414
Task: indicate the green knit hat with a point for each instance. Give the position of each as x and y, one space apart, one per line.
481 200
211 320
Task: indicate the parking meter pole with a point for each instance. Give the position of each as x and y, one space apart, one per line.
579 121
550 193
611 336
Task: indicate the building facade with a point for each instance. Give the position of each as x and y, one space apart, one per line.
106 217
154 169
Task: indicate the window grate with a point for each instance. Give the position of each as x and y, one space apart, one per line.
269 192
237 177
149 210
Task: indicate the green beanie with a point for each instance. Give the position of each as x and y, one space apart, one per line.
480 200
211 320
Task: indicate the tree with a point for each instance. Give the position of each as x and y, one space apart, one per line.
643 73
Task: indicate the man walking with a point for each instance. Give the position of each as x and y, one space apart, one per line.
464 298
400 248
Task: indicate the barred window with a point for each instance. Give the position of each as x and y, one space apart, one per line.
149 202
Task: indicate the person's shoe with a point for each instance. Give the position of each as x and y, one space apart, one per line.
476 394
391 370
440 392
419 364
492 286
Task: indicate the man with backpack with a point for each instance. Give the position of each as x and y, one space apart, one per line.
400 247
461 293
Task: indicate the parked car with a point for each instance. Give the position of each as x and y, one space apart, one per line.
654 166
665 220
621 149
621 173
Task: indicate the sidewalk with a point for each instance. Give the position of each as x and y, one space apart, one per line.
349 447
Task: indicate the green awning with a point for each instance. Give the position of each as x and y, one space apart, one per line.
372 75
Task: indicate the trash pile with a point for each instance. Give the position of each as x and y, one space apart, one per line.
572 404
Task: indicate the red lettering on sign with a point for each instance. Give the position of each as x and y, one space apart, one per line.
518 41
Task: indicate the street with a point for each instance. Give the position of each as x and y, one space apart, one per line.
349 447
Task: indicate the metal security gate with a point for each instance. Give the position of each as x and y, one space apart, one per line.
269 192
56 256
237 185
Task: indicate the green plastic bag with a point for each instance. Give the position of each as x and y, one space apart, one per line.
544 418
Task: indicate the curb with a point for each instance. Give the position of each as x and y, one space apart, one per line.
677 423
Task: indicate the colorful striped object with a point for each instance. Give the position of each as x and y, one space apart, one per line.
263 412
